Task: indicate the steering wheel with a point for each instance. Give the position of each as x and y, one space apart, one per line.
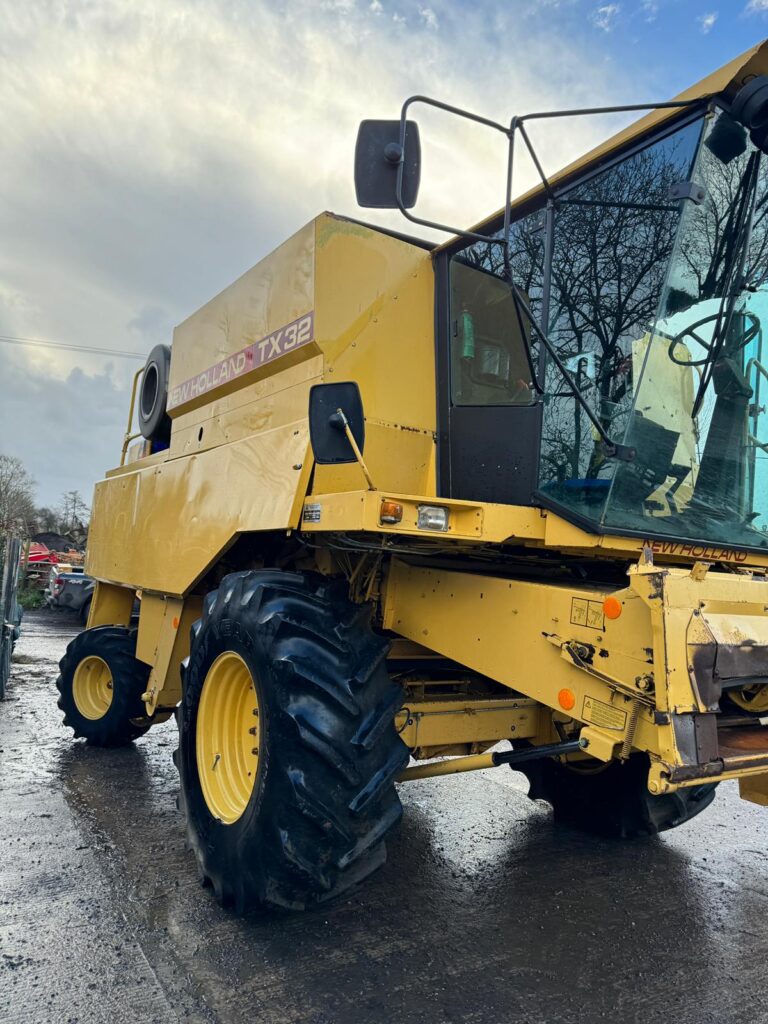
749 335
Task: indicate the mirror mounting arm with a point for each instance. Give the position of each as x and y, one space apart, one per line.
340 422
399 184
396 155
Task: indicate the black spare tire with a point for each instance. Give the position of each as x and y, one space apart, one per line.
154 422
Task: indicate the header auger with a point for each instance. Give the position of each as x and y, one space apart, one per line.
395 503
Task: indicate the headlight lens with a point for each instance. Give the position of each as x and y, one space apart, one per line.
432 517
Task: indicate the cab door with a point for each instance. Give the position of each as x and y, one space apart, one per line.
488 414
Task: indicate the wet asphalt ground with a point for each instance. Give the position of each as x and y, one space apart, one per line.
485 912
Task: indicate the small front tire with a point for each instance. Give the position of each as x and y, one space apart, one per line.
100 686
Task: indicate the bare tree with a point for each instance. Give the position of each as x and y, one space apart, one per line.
74 512
17 508
47 520
707 232
615 237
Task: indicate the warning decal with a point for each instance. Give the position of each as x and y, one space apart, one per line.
587 613
603 715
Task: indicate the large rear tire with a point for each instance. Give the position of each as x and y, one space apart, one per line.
287 746
612 800
100 686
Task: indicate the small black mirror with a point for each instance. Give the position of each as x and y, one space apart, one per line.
750 108
750 104
727 140
326 428
378 155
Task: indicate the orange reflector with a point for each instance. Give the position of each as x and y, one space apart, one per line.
612 608
566 699
175 622
391 512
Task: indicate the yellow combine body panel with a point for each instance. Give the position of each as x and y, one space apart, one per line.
241 370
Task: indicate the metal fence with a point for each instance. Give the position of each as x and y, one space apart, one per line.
10 612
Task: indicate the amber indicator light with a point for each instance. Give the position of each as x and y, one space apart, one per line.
391 512
566 699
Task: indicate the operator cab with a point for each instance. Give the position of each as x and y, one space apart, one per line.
649 277
600 342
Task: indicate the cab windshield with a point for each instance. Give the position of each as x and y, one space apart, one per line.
654 293
698 418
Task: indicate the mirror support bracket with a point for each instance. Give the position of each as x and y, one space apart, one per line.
340 421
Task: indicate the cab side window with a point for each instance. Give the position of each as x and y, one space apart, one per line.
489 365
489 359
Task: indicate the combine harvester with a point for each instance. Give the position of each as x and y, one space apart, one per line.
395 501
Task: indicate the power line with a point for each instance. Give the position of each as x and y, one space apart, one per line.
66 347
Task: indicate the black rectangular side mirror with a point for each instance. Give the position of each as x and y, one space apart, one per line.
378 156
327 433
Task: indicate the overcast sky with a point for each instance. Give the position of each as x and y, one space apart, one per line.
150 152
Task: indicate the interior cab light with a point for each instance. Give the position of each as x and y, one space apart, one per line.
391 513
432 517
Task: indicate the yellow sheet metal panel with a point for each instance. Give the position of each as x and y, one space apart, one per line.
514 632
151 615
279 399
755 789
170 693
259 324
437 723
160 528
399 458
164 642
110 605
361 298
147 460
486 522
374 299
468 520
560 534
374 322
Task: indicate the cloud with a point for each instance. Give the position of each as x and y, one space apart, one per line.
756 7
151 152
605 16
706 21
152 324
65 430
650 9
344 6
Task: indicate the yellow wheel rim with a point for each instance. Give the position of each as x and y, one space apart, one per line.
228 737
92 688
751 698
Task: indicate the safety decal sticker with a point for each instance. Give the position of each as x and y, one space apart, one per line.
603 715
311 513
283 340
587 613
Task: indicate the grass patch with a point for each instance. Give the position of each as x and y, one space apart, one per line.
30 598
